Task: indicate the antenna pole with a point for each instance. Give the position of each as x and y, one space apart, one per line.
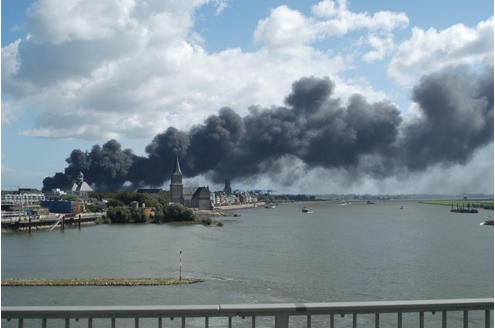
180 265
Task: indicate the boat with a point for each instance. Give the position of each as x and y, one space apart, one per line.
271 205
487 222
307 210
369 202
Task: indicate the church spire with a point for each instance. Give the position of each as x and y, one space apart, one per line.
176 187
177 166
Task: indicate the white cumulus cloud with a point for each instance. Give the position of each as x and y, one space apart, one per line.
431 49
137 69
285 28
338 20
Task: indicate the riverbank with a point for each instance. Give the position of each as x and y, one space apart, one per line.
98 282
239 206
223 211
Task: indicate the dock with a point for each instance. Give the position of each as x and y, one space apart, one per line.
51 222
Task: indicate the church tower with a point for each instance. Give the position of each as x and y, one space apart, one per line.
176 187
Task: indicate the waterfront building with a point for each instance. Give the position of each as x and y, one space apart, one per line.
192 197
81 187
188 193
227 189
23 196
63 206
202 199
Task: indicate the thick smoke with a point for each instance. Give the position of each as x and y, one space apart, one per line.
457 108
456 118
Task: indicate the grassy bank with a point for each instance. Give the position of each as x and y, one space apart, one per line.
99 282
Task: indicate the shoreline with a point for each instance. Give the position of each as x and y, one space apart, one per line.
238 206
98 282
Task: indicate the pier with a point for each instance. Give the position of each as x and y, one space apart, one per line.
35 223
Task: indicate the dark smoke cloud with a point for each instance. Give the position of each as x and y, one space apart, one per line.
457 108
106 167
370 138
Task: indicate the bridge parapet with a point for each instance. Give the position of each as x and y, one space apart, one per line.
281 314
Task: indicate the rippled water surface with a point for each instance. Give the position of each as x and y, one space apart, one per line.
356 252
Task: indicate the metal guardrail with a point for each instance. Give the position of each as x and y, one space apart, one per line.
280 312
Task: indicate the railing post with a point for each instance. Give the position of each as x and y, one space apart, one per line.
487 318
282 320
444 319
466 319
399 320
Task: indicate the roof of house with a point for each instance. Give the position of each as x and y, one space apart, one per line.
81 187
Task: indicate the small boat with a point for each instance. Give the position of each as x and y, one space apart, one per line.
402 207
307 210
487 222
271 205
369 202
236 215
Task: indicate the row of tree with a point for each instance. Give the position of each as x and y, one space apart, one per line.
172 212
129 207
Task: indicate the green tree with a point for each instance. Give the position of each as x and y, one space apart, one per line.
91 208
114 203
119 214
177 212
137 215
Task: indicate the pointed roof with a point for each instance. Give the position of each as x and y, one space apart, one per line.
177 166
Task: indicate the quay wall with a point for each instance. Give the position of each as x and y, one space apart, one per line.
239 206
36 224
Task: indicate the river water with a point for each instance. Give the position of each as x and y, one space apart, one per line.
356 252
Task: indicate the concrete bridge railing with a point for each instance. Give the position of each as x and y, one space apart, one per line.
281 314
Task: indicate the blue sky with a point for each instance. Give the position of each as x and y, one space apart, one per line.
78 73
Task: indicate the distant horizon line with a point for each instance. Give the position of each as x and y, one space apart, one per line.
273 192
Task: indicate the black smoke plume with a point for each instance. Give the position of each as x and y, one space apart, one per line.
456 118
